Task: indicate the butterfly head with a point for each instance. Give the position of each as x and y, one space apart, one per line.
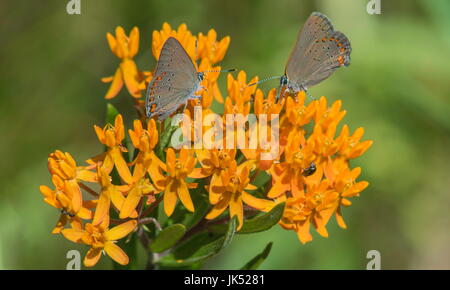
200 76
284 81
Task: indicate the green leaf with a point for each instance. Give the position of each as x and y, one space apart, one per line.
111 113
258 224
201 201
254 263
264 221
164 141
200 253
167 238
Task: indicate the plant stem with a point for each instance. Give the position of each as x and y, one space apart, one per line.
149 209
88 189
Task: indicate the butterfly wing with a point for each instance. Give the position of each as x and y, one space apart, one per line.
317 51
316 26
328 54
173 82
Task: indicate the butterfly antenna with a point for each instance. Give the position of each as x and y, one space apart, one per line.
264 80
196 51
222 70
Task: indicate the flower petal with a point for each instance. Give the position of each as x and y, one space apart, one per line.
219 208
258 203
237 209
185 197
170 198
130 76
92 257
121 165
120 231
116 253
73 235
116 85
131 202
102 210
75 191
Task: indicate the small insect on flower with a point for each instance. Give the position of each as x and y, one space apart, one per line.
310 170
64 212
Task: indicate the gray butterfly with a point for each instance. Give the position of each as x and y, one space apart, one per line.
175 81
318 52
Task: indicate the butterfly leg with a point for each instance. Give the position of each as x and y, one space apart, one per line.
281 92
307 93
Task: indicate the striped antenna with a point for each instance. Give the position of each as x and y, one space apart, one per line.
222 70
265 80
196 52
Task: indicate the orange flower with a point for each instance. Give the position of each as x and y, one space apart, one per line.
350 146
125 48
235 180
344 181
183 35
268 146
297 112
209 82
314 199
325 116
302 211
239 89
58 199
145 140
112 137
288 175
309 170
213 162
101 238
174 184
65 167
269 105
210 48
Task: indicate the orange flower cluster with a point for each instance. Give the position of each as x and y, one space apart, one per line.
309 171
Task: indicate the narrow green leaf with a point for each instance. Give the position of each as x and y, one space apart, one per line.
260 223
264 221
201 253
167 238
254 263
111 113
164 141
201 202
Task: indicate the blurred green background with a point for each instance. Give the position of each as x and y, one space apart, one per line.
397 88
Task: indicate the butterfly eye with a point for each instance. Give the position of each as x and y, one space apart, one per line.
284 80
